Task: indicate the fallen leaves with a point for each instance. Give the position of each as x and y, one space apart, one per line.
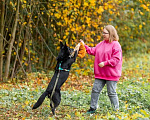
17 99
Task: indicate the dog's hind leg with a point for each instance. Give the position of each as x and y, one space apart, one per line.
52 107
55 101
40 100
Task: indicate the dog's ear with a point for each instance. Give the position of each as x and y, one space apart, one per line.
61 44
66 47
65 44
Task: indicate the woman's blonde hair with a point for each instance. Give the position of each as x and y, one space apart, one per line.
113 36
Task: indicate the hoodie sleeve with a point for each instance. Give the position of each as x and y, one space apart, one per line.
90 50
116 55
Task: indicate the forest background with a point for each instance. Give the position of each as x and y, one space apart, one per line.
30 32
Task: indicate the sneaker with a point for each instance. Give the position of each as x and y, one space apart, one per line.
91 111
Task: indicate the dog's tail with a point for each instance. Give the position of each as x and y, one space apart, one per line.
40 100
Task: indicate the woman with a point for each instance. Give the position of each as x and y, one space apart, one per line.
107 66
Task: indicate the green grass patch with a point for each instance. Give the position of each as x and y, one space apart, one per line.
133 92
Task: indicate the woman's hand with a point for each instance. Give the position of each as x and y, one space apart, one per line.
101 64
82 41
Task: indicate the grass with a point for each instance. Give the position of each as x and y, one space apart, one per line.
16 100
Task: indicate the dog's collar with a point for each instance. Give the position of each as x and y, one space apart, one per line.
62 68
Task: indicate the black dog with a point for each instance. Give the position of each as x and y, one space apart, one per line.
64 62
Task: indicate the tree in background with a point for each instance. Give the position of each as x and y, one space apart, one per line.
32 30
2 12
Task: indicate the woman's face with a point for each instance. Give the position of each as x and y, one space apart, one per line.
105 34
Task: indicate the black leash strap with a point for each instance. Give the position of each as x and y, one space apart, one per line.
57 82
54 88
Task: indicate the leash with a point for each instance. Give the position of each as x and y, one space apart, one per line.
57 82
71 55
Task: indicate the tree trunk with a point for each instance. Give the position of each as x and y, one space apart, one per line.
2 4
21 52
29 59
12 75
45 58
15 62
7 65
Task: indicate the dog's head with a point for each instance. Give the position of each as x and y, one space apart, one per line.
64 53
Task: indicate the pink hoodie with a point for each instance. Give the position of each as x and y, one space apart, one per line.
111 55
